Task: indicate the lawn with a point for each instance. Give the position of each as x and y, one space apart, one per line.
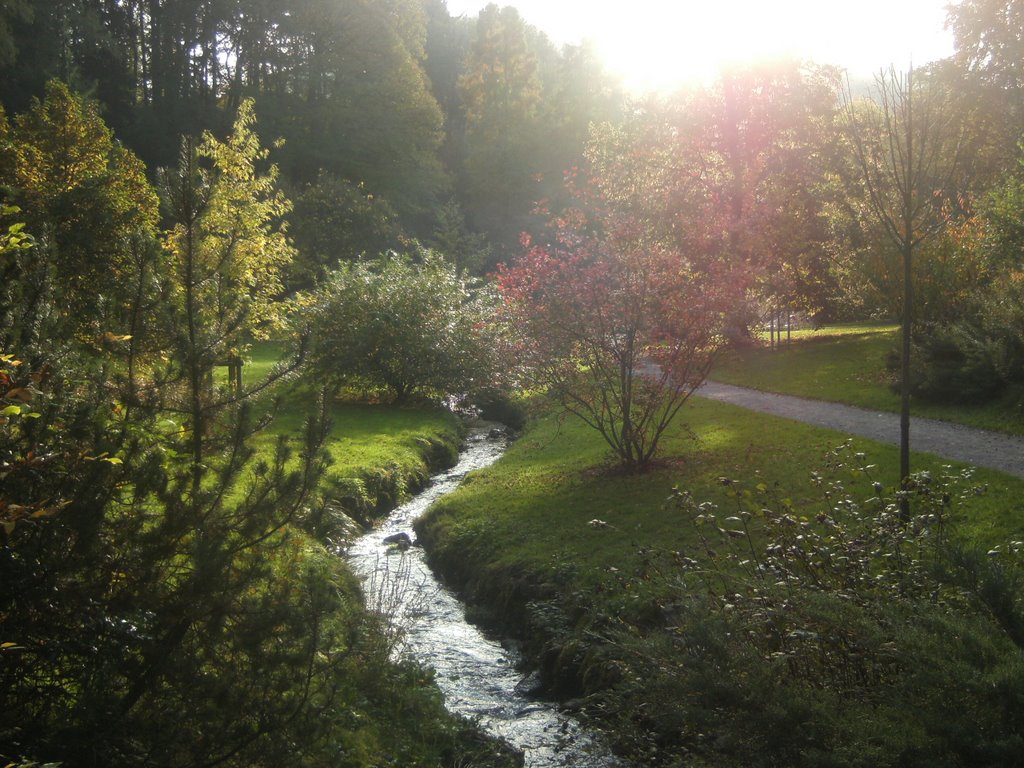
378 451
846 364
587 565
532 510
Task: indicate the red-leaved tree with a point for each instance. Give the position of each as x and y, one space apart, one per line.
616 326
742 166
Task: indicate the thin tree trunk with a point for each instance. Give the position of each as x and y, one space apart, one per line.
908 299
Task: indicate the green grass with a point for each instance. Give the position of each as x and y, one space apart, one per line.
831 331
531 512
378 451
846 364
584 562
520 538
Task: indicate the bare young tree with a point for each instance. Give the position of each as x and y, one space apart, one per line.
906 146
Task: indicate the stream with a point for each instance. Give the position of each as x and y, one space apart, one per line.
478 676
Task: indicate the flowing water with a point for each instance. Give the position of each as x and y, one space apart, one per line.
477 675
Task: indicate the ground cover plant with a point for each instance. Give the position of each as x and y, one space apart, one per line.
629 605
847 364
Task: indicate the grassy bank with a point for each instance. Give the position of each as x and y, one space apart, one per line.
846 364
382 713
379 453
594 570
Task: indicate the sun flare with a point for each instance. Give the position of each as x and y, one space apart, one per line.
658 45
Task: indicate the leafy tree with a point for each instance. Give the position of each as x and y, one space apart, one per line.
334 221
11 11
227 253
501 93
149 571
362 109
16 385
447 46
906 151
616 326
741 168
228 243
410 327
348 83
451 237
86 198
766 139
1003 213
989 39
974 352
986 77
948 268
577 94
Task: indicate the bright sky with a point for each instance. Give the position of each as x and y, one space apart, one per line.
658 44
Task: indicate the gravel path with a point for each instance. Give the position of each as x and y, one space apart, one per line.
951 441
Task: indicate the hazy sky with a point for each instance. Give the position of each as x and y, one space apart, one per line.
656 44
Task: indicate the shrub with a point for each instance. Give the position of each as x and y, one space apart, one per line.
404 326
979 357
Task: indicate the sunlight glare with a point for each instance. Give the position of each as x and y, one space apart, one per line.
658 45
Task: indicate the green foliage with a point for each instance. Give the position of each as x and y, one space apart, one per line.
946 270
365 111
227 246
978 358
15 10
153 550
974 353
954 366
989 40
825 639
1003 241
451 237
166 593
88 202
335 221
364 90
501 93
409 327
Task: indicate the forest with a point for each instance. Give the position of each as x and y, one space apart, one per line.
403 206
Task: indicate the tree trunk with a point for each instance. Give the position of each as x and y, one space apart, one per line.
908 301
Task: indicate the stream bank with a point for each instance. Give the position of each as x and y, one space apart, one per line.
643 597
479 676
